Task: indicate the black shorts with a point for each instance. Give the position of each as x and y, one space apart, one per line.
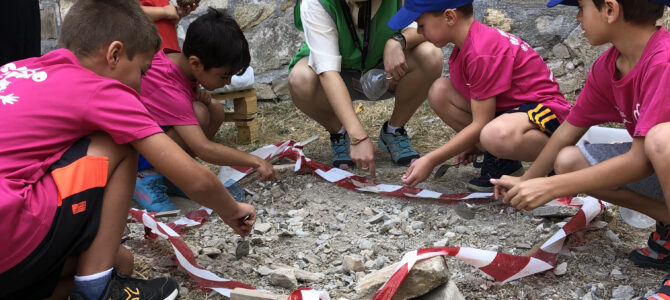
81 181
539 115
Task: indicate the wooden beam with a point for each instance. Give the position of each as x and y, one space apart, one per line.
244 294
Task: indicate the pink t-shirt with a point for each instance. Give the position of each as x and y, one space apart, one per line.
167 93
47 104
492 62
640 100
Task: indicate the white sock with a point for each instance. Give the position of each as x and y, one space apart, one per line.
342 130
93 276
390 129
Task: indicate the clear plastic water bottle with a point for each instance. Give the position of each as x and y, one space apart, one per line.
374 84
635 219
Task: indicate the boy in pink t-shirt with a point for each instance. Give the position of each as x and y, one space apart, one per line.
501 96
215 49
73 125
627 84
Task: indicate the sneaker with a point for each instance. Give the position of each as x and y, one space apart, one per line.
339 144
398 145
663 292
122 287
657 253
493 167
151 193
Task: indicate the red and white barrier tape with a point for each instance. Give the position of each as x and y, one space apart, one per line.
502 267
342 178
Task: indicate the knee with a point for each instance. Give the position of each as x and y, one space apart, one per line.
656 142
430 57
202 113
299 81
499 140
569 159
437 94
124 262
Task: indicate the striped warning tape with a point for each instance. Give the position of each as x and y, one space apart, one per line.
501 266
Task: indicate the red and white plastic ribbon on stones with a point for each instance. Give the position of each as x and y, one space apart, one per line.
185 257
342 178
502 267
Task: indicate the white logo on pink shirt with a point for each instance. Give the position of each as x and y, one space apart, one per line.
11 71
515 40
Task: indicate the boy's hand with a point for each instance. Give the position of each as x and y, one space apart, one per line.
529 194
467 156
239 221
204 96
418 171
504 184
265 170
183 11
364 157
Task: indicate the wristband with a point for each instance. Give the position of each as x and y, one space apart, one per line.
354 141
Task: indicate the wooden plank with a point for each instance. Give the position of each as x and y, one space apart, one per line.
235 117
247 131
245 294
236 94
170 213
246 105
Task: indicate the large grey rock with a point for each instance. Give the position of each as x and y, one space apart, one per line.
284 278
447 291
424 277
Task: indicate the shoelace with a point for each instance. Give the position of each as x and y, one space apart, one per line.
339 147
157 187
402 141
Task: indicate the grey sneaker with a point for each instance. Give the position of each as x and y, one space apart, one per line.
398 145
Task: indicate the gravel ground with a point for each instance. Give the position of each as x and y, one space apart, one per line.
314 224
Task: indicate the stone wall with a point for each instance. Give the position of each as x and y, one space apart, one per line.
273 39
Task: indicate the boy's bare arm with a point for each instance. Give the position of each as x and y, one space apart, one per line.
199 183
221 155
483 112
617 171
566 135
156 13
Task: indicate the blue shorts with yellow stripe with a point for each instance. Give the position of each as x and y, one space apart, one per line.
539 115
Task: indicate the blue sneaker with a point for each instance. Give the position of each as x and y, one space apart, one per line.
151 193
339 144
172 189
398 145
493 167
234 189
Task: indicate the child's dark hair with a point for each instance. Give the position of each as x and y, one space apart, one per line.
467 11
93 24
641 12
217 40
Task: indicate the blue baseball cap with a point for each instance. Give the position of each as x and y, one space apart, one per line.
415 8
553 3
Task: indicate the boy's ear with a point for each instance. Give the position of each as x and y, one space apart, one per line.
115 52
612 10
195 62
450 16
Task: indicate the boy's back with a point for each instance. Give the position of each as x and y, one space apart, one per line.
492 62
49 103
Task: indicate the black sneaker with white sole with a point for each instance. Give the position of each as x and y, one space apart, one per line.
122 288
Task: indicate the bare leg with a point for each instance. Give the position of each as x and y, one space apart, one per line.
209 117
658 150
424 67
512 136
449 104
570 159
308 96
102 253
217 115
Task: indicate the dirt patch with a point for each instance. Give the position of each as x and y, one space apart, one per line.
334 222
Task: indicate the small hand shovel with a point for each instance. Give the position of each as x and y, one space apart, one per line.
443 169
